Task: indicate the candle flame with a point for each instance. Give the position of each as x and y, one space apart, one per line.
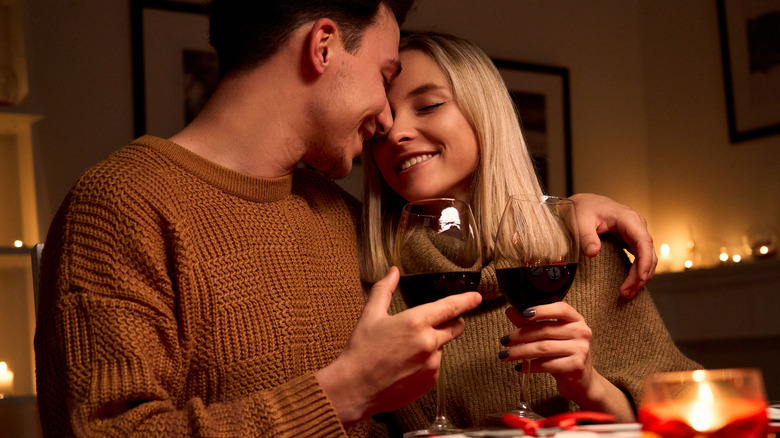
701 416
764 250
3 367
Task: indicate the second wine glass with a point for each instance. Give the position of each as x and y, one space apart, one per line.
438 253
536 255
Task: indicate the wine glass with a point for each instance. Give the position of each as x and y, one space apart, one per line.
536 255
437 250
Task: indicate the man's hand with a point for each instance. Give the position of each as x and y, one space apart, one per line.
391 360
598 215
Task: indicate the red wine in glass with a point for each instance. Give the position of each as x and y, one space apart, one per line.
436 286
529 286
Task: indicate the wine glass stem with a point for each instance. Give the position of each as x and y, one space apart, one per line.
524 383
441 422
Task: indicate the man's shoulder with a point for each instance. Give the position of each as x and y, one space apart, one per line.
131 168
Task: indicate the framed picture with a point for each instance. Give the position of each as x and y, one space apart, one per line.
541 95
174 68
750 43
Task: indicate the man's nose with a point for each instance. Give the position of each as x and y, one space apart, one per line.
384 121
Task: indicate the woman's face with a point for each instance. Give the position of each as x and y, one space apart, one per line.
431 150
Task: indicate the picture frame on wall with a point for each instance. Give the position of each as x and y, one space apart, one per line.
175 69
541 95
750 46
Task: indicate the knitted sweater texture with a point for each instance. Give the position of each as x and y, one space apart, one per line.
181 298
629 343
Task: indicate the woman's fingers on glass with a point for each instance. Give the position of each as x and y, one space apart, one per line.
547 349
557 365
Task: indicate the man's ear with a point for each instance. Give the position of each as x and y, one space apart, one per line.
324 38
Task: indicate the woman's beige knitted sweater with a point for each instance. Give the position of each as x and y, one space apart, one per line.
629 343
179 298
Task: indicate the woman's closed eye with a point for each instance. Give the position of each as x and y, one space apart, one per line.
429 108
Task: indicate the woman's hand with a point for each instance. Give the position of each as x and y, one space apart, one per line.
557 338
598 215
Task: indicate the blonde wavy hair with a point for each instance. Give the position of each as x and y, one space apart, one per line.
505 167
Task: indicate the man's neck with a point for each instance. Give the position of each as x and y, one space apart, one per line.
249 126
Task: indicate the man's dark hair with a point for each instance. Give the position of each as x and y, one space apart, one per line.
247 32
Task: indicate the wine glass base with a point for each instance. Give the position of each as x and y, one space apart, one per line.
432 432
521 410
441 426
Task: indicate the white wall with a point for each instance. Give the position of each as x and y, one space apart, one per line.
647 97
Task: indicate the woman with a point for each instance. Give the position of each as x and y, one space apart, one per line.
456 134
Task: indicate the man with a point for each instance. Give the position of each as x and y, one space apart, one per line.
201 286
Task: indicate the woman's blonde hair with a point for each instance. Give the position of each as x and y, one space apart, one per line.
504 168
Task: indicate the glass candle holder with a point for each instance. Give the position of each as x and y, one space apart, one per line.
705 404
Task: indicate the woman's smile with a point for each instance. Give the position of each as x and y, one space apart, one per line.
409 162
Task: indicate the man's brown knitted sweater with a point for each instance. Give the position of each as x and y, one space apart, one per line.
630 342
181 298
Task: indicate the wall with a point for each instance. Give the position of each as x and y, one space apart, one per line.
647 99
699 181
81 81
648 109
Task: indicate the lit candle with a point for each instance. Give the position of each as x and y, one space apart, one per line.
764 250
6 380
724 255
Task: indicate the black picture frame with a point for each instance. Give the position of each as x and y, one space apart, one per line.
541 95
170 77
750 47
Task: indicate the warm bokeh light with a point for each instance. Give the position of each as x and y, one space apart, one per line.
737 258
18 243
688 264
764 250
724 257
665 250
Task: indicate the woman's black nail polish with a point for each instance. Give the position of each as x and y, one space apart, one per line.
503 354
519 367
505 340
529 313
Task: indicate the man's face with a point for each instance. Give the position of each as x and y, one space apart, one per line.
356 106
